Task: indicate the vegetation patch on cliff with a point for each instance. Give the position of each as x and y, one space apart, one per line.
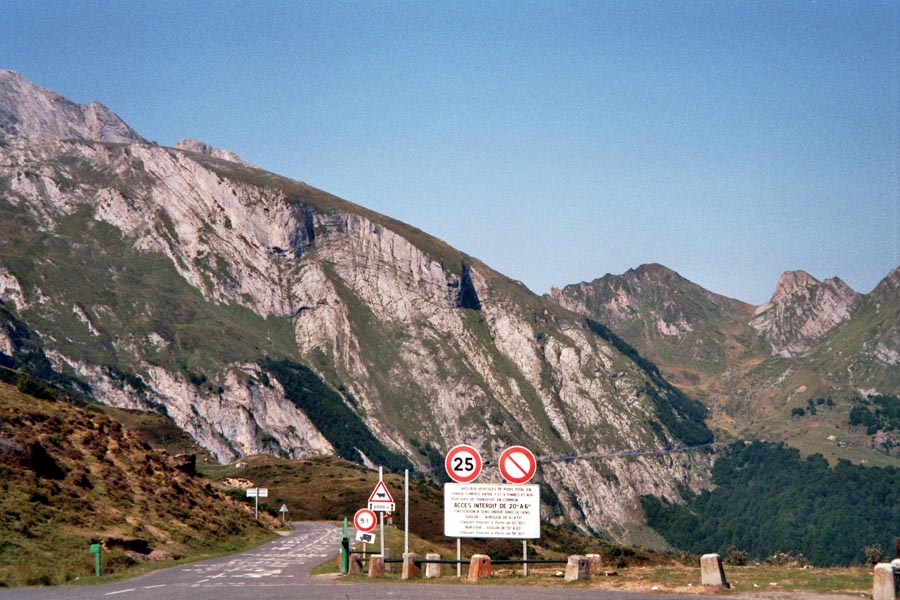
325 407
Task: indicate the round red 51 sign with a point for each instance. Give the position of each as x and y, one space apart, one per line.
364 520
463 463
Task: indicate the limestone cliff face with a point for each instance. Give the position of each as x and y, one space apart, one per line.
165 279
803 311
29 111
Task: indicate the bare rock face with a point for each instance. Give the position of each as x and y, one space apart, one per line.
803 311
182 261
192 145
34 113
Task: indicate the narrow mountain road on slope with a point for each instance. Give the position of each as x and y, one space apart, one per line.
629 452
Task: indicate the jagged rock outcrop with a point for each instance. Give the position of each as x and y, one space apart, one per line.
171 280
192 145
31 112
802 311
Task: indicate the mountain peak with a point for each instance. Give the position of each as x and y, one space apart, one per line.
29 111
802 311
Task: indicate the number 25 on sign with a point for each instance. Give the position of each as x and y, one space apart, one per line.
463 463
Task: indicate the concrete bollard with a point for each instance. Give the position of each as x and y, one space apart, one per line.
711 571
595 564
355 563
376 565
388 567
577 568
411 570
479 567
884 585
432 569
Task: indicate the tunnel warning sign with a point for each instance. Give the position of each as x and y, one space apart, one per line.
492 511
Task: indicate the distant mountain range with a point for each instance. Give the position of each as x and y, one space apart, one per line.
753 366
262 315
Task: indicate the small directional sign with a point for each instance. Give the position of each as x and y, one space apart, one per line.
381 499
257 492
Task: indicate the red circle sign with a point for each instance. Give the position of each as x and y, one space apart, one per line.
365 520
517 464
463 463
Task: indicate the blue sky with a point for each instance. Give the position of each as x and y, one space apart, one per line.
556 141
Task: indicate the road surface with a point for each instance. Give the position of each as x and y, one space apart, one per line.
280 569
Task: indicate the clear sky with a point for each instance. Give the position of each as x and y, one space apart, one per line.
556 141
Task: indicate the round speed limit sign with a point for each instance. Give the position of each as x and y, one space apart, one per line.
364 520
463 463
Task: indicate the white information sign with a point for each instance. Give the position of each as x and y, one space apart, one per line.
257 492
365 536
492 511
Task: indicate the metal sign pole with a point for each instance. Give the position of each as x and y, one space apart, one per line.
458 558
381 514
406 513
525 558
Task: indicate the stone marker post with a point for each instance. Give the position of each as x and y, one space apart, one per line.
884 585
411 570
577 568
479 567
711 571
595 564
376 565
432 569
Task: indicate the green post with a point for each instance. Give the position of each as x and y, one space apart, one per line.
345 550
95 548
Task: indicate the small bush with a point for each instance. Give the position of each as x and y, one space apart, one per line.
735 556
874 554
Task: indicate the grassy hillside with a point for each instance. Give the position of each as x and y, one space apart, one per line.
71 476
332 488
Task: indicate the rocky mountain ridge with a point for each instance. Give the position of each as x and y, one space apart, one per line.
32 112
265 316
812 340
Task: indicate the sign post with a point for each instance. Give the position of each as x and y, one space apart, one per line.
283 510
257 493
96 549
381 501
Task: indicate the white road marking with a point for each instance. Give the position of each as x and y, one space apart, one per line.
119 592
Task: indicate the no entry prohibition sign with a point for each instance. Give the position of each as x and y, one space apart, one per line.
463 463
517 464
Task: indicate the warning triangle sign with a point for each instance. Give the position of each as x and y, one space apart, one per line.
381 494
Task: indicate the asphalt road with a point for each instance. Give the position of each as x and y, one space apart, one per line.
280 569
